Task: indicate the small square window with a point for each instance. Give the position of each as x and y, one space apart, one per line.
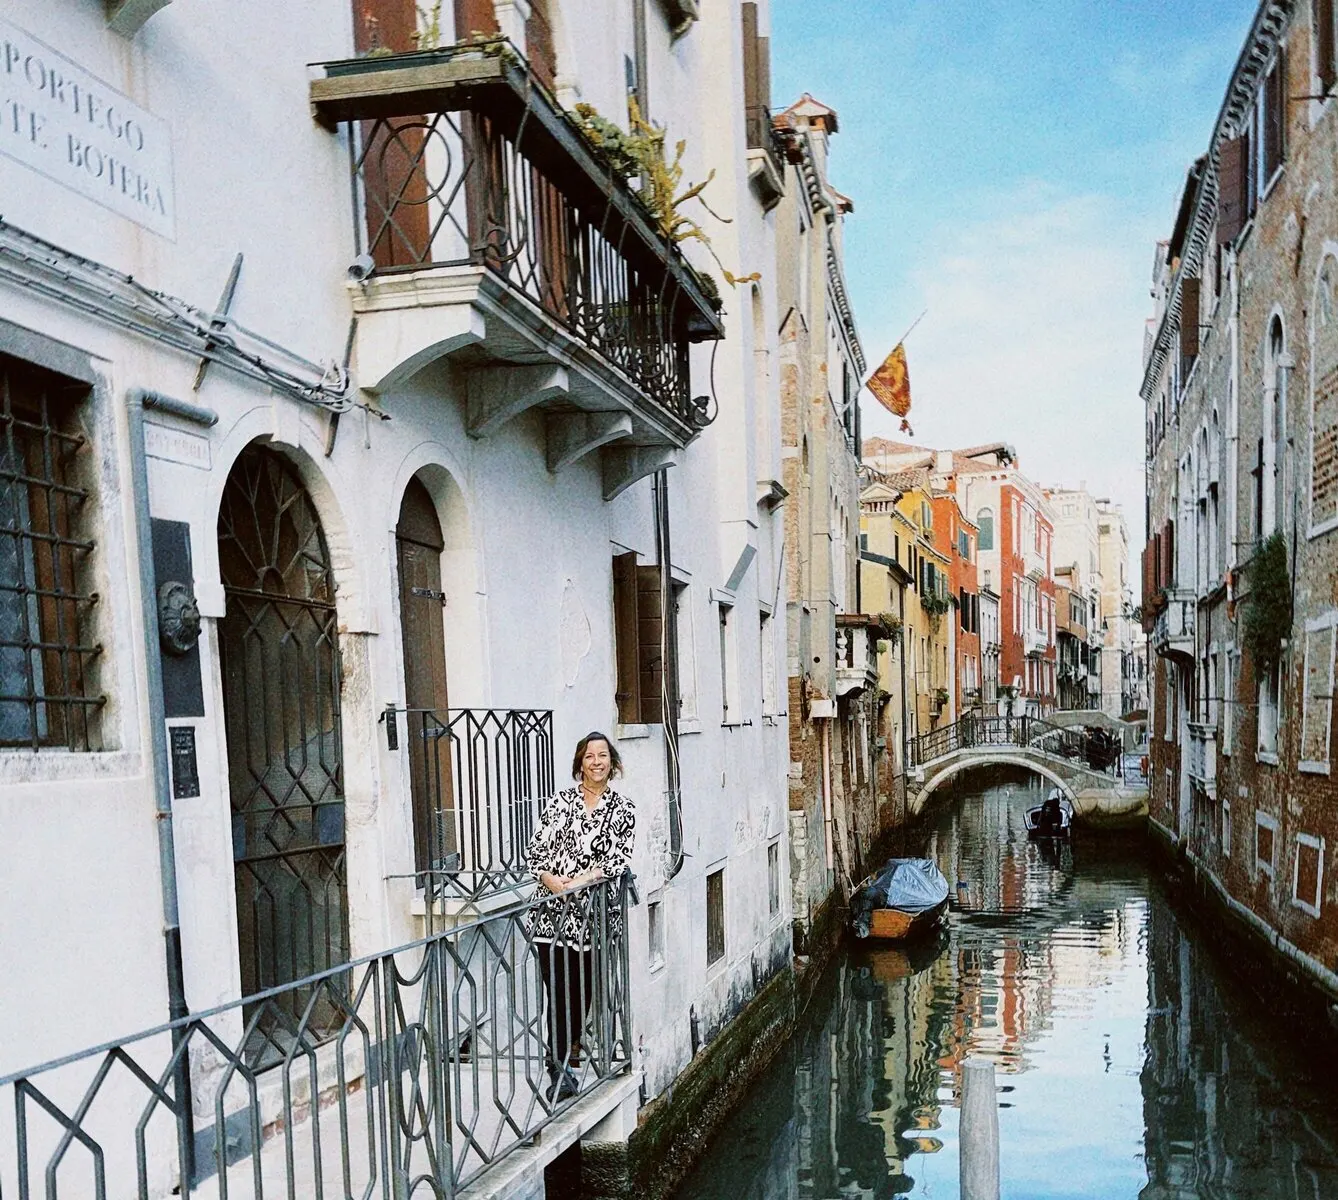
715 916
773 878
655 924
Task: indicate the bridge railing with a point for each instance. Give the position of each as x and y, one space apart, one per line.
972 733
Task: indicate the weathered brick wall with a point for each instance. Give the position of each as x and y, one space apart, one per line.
1277 809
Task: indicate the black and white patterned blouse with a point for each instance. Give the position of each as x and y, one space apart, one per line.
571 840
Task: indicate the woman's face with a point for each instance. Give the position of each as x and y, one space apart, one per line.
596 763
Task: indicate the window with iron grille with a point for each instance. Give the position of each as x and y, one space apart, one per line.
48 645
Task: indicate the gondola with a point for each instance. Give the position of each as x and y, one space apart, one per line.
904 900
1053 819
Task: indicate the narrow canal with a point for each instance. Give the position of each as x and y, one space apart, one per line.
1130 1065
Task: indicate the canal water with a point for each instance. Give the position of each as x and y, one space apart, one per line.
1129 1063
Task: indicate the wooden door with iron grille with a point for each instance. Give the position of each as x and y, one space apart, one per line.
419 544
279 645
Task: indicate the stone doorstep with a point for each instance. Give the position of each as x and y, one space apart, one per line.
520 1175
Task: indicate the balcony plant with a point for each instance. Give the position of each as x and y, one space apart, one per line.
888 630
639 153
935 604
1268 610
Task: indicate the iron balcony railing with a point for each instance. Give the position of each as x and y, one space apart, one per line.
461 157
407 1073
761 134
477 776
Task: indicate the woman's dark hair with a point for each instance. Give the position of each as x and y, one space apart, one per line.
615 759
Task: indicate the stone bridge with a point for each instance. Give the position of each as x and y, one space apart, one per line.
1065 757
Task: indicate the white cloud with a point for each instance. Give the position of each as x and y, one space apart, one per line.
1034 336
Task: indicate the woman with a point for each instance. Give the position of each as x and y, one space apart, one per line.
585 835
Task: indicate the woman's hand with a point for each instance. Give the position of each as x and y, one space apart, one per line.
554 883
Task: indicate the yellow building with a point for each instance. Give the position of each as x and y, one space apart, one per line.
901 567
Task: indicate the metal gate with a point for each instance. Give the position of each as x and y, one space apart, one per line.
281 684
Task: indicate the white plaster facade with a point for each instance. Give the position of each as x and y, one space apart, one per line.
527 564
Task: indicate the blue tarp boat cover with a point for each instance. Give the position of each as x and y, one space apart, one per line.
913 885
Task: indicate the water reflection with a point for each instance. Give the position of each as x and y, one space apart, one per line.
1129 1067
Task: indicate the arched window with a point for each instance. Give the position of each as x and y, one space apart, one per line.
1324 401
985 521
1271 459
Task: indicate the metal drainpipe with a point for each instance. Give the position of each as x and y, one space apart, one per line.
669 670
905 724
137 401
828 839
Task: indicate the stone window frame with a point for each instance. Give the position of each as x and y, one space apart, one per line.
775 881
1326 622
1225 831
1316 844
716 926
112 759
656 956
1264 820
1328 257
1276 398
1273 679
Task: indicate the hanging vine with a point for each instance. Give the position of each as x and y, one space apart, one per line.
1268 610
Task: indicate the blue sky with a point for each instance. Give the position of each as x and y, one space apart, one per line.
1013 163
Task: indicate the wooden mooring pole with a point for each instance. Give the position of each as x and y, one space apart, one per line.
978 1131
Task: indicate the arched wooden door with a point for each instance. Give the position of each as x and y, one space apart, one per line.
281 686
419 544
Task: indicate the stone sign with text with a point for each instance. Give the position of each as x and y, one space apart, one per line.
58 119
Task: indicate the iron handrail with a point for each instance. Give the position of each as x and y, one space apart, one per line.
973 732
421 1064
478 775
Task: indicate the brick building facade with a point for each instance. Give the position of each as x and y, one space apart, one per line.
1240 578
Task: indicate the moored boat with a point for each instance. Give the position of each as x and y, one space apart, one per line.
1053 819
906 898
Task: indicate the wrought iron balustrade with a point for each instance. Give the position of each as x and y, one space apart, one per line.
462 158
404 1074
479 775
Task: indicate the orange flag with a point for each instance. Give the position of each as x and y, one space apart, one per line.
891 385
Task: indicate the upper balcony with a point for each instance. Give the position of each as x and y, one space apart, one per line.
1173 633
495 235
1203 757
1033 561
1034 641
766 156
857 651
